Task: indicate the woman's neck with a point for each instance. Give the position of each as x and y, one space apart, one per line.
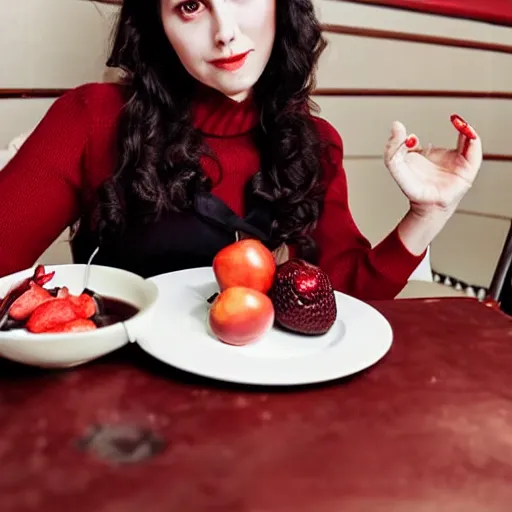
217 115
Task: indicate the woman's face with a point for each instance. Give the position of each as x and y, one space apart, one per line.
225 44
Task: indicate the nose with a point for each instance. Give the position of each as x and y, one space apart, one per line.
226 27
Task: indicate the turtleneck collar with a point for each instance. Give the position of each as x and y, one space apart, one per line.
214 114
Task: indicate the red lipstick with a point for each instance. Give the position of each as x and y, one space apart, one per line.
231 63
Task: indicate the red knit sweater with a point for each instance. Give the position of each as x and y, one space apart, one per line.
73 150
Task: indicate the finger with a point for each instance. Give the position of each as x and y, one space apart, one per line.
466 134
396 142
472 152
463 127
412 143
461 142
469 144
426 152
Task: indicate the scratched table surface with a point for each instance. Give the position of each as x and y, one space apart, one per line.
429 428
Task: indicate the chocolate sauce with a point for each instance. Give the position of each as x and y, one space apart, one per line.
111 311
10 324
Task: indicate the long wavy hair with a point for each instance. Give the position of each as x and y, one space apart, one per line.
158 169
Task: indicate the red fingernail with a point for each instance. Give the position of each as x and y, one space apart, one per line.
462 126
411 141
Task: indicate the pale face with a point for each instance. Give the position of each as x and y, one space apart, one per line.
204 33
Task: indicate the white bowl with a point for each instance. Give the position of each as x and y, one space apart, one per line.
65 350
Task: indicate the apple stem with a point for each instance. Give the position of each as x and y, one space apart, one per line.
212 298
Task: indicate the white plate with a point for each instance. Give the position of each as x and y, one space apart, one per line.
360 337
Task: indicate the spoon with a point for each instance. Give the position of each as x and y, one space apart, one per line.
88 268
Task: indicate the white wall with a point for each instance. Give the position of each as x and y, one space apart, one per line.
48 44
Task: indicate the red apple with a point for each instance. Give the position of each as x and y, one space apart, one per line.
241 315
245 263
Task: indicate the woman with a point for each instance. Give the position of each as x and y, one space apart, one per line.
211 137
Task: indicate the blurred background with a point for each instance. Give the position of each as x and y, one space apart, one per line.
417 65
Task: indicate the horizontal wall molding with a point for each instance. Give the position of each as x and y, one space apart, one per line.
422 93
491 18
416 38
30 93
489 157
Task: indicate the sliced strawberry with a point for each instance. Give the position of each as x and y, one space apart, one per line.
39 272
24 305
84 305
50 314
40 277
79 325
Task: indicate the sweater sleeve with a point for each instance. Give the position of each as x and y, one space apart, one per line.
353 266
39 187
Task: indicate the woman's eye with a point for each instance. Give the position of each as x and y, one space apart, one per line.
190 8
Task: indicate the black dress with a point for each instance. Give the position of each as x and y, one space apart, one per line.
177 241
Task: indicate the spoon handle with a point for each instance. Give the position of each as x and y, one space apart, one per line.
88 267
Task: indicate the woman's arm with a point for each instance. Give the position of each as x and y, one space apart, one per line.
417 231
434 187
353 266
40 187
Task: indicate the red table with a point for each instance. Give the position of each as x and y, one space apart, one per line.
429 428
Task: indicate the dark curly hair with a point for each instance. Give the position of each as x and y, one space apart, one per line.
158 168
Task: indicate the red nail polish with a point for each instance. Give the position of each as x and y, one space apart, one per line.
411 141
462 126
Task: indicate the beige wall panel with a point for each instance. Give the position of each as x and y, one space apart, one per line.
491 194
352 61
373 190
469 247
52 43
502 72
59 253
375 200
19 116
498 136
364 122
352 14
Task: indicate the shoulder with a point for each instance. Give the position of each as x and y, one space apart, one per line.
89 103
88 115
327 133
94 99
95 92
110 96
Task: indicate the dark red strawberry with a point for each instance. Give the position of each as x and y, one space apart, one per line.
303 298
79 325
40 276
24 305
50 315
